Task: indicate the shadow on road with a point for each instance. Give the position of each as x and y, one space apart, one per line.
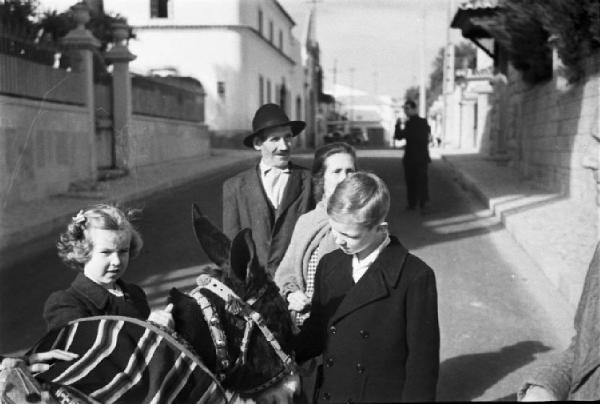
466 377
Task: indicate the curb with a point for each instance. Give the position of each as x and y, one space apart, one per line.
30 240
560 311
468 184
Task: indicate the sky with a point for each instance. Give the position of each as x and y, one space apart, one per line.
380 39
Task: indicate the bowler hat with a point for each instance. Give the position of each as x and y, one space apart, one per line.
271 116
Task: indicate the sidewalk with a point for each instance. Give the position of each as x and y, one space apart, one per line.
23 224
554 231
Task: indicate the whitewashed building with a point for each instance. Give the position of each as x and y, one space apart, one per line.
242 51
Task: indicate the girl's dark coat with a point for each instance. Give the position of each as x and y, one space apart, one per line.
86 299
379 337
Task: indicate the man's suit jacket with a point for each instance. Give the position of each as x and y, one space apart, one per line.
379 337
245 205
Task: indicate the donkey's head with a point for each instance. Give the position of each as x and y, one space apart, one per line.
226 331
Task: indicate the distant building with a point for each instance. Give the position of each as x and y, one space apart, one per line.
243 52
366 116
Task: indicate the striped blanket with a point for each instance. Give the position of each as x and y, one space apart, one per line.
125 360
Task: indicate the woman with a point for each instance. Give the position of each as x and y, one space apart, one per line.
312 238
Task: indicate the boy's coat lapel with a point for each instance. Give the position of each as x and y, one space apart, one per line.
375 283
370 287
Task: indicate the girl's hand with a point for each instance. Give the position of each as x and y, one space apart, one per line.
38 362
163 317
298 301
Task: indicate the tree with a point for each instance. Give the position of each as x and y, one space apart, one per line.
17 16
464 57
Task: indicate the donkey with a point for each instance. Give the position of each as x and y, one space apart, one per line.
249 325
231 333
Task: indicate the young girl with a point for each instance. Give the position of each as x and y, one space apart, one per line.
374 309
98 243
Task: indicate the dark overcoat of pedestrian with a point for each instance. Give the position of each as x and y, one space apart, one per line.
245 205
379 337
416 132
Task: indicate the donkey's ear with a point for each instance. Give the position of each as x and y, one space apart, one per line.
214 243
243 259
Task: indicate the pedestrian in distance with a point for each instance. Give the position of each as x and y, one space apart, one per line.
269 197
416 132
98 243
573 374
374 310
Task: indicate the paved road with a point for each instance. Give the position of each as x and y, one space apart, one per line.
492 327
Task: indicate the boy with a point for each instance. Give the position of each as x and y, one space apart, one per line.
374 309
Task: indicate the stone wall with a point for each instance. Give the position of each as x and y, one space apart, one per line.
159 140
40 155
550 130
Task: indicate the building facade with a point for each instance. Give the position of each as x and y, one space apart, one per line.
243 52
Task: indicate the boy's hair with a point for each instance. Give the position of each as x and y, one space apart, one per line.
319 165
74 245
362 195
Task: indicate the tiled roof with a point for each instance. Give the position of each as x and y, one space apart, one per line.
478 4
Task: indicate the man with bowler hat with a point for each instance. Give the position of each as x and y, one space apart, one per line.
269 197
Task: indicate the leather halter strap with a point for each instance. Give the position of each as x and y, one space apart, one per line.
236 306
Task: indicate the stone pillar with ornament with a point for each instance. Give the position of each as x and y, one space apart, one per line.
80 44
120 57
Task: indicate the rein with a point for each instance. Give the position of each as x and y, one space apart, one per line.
239 308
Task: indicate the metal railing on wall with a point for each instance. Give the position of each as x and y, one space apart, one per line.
35 69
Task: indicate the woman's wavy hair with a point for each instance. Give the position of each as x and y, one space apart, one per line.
320 165
75 246
362 195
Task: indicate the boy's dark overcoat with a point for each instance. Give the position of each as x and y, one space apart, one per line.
245 205
380 337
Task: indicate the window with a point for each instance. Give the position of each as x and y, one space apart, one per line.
221 88
281 40
268 90
283 97
261 90
298 108
159 8
260 21
271 31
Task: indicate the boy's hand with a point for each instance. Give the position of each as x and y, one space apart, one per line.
298 301
163 317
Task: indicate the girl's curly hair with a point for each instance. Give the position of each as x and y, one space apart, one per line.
75 246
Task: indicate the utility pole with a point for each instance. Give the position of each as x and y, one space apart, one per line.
334 83
351 94
422 93
448 74
375 86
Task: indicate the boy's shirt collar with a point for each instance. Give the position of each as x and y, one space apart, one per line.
360 267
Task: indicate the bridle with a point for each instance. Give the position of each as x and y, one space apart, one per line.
239 308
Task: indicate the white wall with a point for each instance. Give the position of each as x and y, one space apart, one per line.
197 44
159 140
